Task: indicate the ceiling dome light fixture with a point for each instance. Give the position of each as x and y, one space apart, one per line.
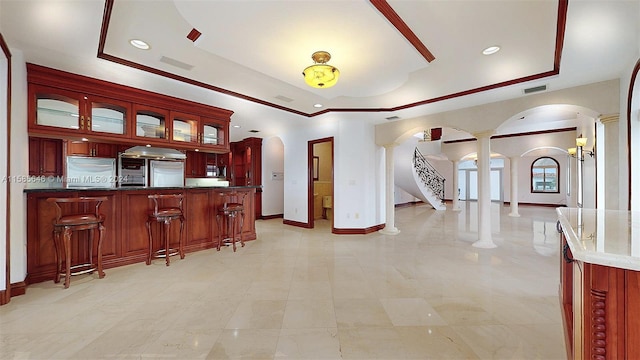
491 50
320 75
140 44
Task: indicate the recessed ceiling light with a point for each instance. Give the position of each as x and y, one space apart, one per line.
140 44
491 50
317 105
236 126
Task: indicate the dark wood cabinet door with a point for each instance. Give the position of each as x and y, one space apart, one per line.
196 164
105 150
78 148
199 206
34 156
135 238
45 157
51 157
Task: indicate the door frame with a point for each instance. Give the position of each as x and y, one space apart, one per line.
5 296
310 192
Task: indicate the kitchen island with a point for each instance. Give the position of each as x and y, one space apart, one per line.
126 238
600 283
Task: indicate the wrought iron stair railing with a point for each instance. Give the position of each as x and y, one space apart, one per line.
429 176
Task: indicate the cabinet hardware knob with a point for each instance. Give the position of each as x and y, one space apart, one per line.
82 122
88 123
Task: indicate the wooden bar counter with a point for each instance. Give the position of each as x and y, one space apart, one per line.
600 283
126 238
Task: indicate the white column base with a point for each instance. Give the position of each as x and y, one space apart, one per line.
484 244
389 231
514 214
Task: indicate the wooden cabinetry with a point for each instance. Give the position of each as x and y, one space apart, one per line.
185 128
45 157
105 112
150 124
247 162
41 260
600 309
196 164
246 167
53 109
126 237
87 148
213 134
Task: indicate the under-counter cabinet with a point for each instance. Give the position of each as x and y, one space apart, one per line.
600 283
45 157
126 237
52 110
41 258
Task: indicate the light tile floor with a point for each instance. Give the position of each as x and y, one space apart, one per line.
295 293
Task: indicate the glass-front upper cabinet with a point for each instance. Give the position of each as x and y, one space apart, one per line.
214 134
53 109
151 123
109 116
184 127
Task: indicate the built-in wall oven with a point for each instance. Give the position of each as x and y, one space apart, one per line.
132 171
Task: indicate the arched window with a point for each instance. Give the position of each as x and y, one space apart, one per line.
545 173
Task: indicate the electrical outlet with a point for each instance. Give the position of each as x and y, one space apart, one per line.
357 216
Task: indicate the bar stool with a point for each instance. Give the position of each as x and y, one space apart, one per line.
232 211
166 208
76 220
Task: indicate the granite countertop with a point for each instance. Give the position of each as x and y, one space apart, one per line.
130 188
603 237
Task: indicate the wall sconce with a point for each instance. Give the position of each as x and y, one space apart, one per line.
579 153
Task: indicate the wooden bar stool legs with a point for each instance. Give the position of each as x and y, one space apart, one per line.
77 220
164 213
230 217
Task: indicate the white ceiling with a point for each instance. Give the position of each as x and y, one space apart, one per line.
256 50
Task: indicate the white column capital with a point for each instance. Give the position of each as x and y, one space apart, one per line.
610 118
484 134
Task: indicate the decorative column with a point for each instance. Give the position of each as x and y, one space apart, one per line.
579 174
514 186
456 186
389 227
609 192
484 191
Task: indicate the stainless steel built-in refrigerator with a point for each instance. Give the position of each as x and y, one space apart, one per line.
166 173
90 172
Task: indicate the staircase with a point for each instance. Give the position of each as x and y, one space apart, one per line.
416 176
429 180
